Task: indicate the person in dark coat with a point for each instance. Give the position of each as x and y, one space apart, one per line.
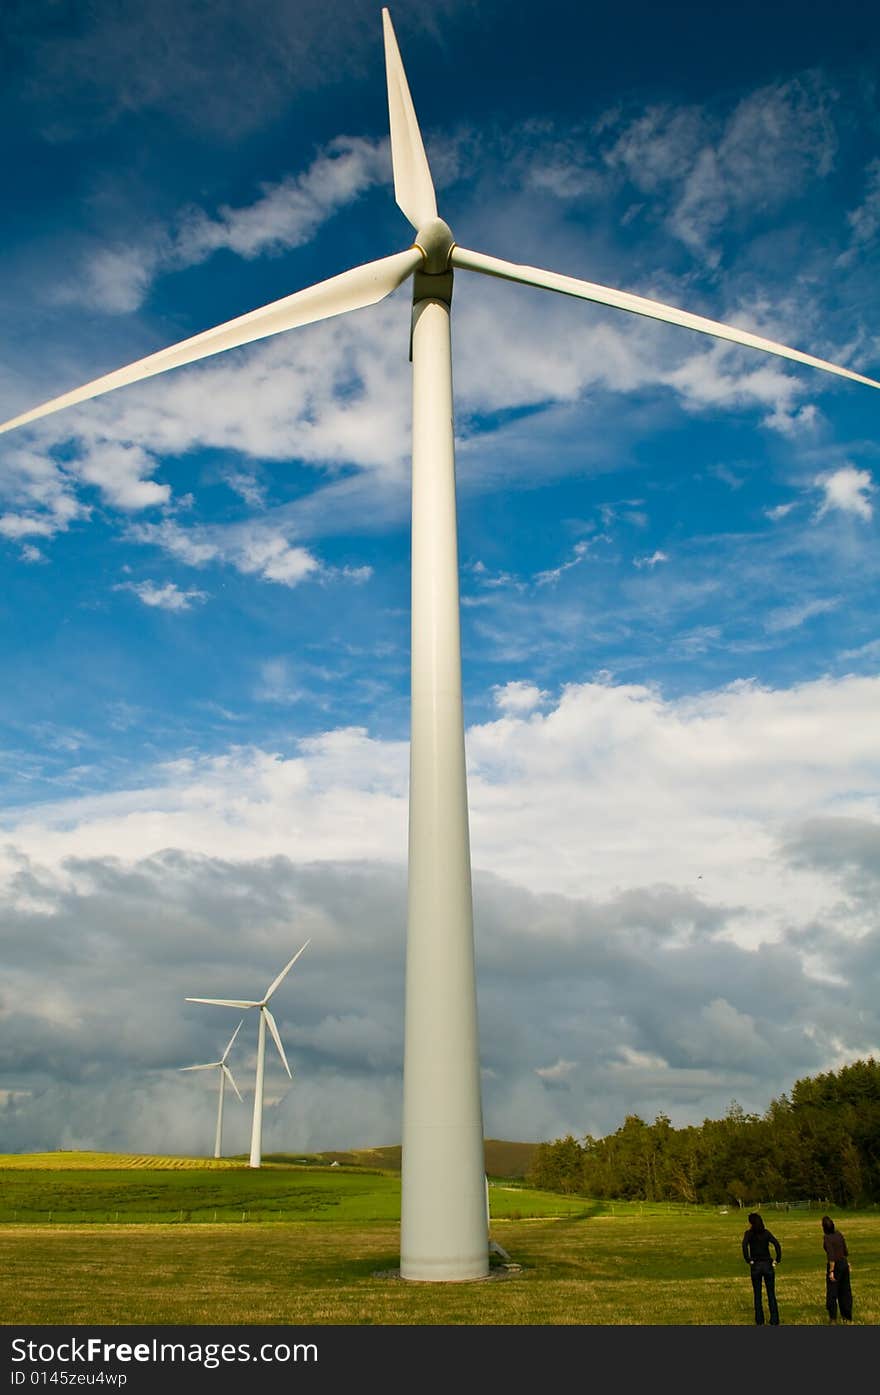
756 1252
838 1289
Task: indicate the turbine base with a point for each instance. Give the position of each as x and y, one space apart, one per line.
426 1272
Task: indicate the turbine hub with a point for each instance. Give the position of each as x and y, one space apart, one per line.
436 242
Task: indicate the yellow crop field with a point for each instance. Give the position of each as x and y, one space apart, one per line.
63 1160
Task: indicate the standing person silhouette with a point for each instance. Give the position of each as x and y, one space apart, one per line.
756 1252
838 1289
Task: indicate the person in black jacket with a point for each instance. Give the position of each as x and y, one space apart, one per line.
838 1289
756 1252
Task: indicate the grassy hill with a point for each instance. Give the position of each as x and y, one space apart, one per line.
503 1159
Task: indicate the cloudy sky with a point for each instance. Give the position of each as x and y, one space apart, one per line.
669 564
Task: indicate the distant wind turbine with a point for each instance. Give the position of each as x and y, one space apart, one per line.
443 1208
266 1019
225 1074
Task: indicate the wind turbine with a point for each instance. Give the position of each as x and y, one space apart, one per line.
443 1209
225 1074
266 1019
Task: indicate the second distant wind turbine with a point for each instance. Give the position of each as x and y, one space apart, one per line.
225 1074
266 1019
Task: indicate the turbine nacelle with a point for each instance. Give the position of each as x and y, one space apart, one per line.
434 239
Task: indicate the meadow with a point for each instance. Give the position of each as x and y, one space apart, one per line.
307 1243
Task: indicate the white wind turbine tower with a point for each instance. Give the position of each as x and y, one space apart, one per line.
225 1074
266 1019
443 1216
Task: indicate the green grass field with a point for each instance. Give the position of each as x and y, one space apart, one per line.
313 1245
132 1194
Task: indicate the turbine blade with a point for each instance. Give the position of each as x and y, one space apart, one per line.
223 1002
639 305
231 1040
212 1065
270 1022
413 185
352 290
228 1073
284 972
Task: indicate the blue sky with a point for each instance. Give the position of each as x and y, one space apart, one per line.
668 558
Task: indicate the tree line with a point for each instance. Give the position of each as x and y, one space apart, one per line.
820 1142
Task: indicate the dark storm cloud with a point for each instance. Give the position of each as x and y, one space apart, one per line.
849 848
588 1010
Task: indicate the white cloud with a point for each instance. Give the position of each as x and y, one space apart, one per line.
578 554
566 178
17 525
559 1071
776 141
289 213
696 641
45 490
846 490
117 278
722 1035
791 616
277 684
659 147
664 792
167 597
719 377
113 279
254 549
727 476
190 545
356 574
519 697
270 555
331 393
651 561
120 472
865 220
247 486
800 422
630 1059
870 651
708 173
41 493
